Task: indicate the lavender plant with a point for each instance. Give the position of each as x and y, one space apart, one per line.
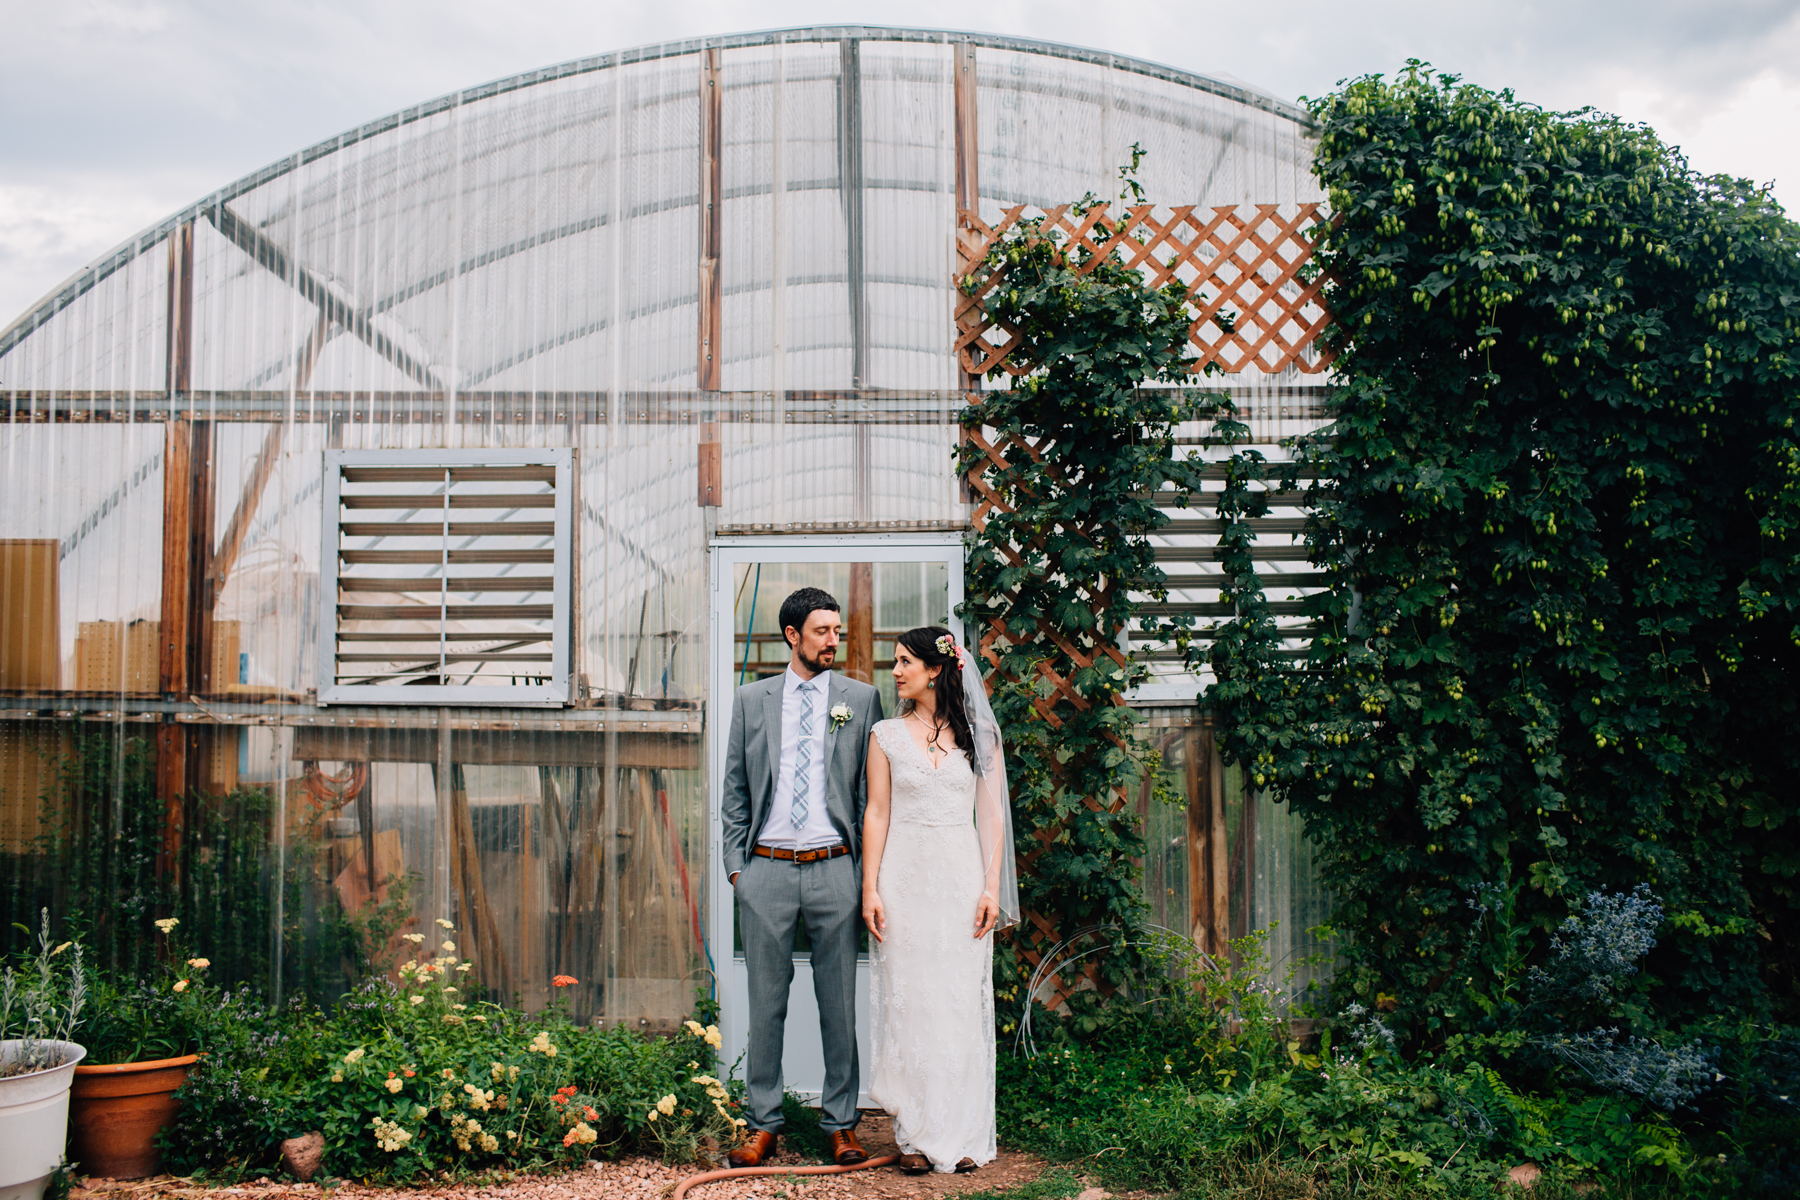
49 1008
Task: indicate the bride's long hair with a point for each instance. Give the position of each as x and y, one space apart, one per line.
952 710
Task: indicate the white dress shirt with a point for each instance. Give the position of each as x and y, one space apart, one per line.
817 830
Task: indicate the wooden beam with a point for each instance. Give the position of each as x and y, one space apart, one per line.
1220 865
968 158
1198 826
711 215
711 467
859 631
239 525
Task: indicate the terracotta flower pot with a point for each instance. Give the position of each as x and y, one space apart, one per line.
115 1112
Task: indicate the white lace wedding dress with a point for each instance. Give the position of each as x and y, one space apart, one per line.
931 984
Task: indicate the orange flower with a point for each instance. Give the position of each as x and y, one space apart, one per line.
559 1099
590 1114
564 981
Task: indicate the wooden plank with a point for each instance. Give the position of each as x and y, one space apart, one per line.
1294 579
710 352
245 512
489 583
433 658
1219 866
435 529
178 493
1214 553
522 474
711 467
457 500
1174 608
1198 823
516 637
30 614
859 634
968 165
1264 526
454 612
586 748
457 557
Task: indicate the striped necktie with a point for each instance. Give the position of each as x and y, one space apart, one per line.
803 755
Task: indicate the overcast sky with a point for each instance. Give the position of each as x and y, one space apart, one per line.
117 112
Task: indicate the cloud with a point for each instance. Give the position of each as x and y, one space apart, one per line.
120 111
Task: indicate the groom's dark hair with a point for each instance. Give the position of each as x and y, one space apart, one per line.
802 604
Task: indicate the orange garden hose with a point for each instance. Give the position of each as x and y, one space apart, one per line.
682 1187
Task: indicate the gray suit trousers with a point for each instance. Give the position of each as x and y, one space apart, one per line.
773 898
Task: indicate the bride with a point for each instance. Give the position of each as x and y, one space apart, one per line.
938 878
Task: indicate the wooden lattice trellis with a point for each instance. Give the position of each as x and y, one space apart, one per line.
1250 263
1037 933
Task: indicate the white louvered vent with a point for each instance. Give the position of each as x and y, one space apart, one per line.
446 577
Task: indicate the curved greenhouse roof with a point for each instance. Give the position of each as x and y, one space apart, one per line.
544 233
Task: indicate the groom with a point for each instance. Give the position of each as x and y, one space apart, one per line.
793 810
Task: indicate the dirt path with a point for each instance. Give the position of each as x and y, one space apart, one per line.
628 1179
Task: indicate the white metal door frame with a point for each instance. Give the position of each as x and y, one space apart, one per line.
802 1061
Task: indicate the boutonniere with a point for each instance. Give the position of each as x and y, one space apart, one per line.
839 714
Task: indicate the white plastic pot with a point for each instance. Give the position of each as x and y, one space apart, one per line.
34 1121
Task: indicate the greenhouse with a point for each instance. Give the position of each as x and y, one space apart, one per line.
386 532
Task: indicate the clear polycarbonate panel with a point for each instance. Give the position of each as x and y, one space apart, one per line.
1276 892
515 267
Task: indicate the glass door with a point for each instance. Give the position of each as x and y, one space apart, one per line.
885 584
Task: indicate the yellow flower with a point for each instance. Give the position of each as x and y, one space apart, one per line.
60 949
355 1056
446 924
181 985
337 1077
448 947
449 991
499 1072
452 1019
417 1000
414 938
695 1028
394 1085
653 1114
420 1112
713 1037
199 964
389 1136
167 924
666 1106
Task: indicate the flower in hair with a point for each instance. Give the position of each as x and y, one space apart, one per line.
946 645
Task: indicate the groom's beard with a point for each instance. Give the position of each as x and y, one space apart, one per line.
819 664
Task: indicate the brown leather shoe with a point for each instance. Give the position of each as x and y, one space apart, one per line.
915 1164
964 1165
758 1145
846 1151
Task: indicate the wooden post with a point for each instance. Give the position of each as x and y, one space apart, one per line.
1198 825
712 466
1221 863
859 624
711 187
968 187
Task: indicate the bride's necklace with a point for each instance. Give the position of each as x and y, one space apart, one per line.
931 735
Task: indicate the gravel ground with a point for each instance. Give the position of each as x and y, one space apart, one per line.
629 1179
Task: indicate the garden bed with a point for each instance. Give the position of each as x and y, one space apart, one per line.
631 1178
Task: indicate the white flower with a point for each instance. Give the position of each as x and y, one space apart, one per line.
167 924
181 985
414 938
446 924
449 947
395 1084
417 1000
355 1056
199 964
839 714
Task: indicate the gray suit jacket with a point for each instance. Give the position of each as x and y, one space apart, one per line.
753 756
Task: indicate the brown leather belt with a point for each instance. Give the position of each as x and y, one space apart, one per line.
800 856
